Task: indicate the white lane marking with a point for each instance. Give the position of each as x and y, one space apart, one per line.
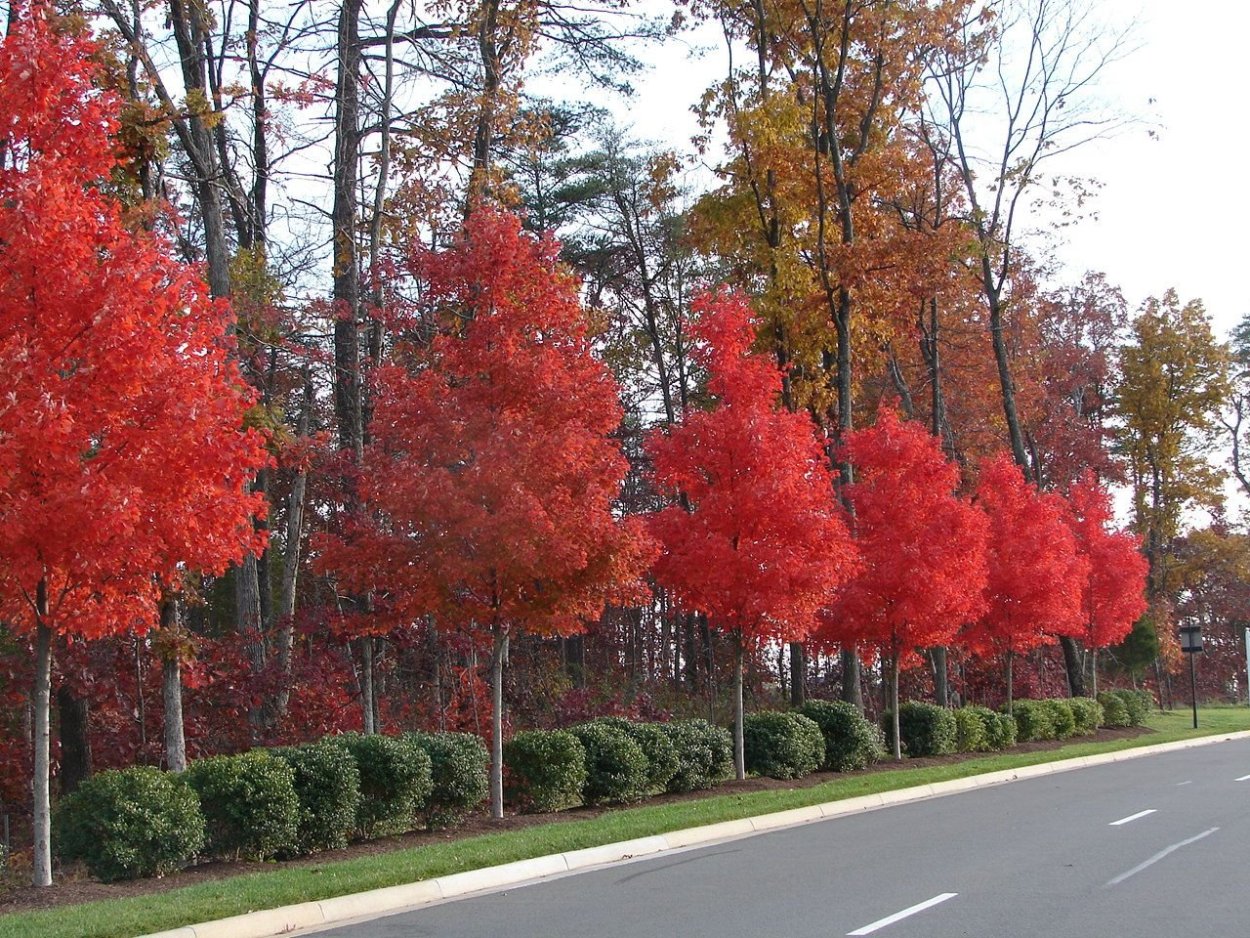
1159 856
899 916
1179 784
1132 817
1244 778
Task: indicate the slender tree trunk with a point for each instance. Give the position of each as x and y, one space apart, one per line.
1093 668
740 771
1010 660
367 691
941 682
1074 666
171 691
41 860
74 713
498 654
798 674
852 693
898 742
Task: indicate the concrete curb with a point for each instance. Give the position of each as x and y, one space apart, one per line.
377 902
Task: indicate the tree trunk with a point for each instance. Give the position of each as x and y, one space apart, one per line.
1073 665
247 609
498 654
73 712
740 771
798 674
41 821
1093 669
367 691
898 742
851 691
1010 660
941 682
171 691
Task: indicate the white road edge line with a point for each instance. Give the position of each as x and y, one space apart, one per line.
1132 817
899 916
1159 856
1244 778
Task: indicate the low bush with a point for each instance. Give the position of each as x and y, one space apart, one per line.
999 729
327 784
616 766
705 754
1034 720
851 742
1114 712
781 745
970 732
1062 718
546 770
458 774
656 746
128 823
249 802
395 781
925 729
1137 702
1087 712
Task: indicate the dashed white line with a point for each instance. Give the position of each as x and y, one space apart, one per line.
899 916
1159 856
1244 778
1179 784
1132 817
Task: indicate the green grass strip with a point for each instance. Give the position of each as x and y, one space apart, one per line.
124 918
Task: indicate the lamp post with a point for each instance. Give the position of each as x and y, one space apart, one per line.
1191 644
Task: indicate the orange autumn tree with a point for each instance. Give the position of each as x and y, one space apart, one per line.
489 484
924 547
1036 574
123 459
752 538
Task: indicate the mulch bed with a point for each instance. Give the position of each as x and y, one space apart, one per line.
73 885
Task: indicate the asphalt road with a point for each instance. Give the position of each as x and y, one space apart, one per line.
1157 846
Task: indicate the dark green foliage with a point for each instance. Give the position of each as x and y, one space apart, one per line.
656 746
546 770
128 823
999 728
1137 703
926 729
616 766
327 783
249 804
394 781
1087 713
458 769
782 745
705 754
1061 717
851 742
1034 720
970 735
1114 712
1140 647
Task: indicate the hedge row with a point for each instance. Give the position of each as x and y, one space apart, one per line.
1124 707
1058 718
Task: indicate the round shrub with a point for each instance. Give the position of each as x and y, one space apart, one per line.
1061 717
394 781
656 746
546 770
1138 704
851 742
1114 712
249 804
1000 729
925 729
616 767
128 823
458 771
705 754
781 745
970 734
327 783
1034 720
1087 712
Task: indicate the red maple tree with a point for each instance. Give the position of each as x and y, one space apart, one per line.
488 489
752 539
923 547
123 459
1113 594
1035 577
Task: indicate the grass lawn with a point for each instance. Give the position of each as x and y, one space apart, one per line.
122 918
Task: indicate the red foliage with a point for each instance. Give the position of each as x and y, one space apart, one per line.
755 541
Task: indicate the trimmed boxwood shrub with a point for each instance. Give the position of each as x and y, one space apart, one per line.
127 823
1087 712
1114 712
1061 717
970 735
458 773
851 742
705 754
327 783
781 745
926 729
616 766
656 746
1138 704
1000 729
546 770
1034 720
249 804
394 781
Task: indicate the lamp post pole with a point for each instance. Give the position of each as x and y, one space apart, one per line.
1191 644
